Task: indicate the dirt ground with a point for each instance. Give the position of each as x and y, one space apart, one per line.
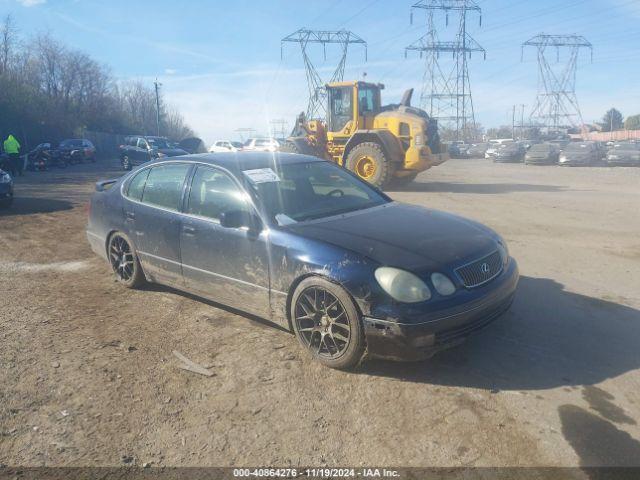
87 375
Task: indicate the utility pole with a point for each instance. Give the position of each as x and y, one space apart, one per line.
157 87
556 103
446 88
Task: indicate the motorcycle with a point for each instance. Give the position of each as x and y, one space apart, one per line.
39 158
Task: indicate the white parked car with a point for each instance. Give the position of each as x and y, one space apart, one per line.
495 145
225 146
261 145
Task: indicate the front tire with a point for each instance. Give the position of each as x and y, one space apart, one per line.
369 162
124 261
400 182
327 323
126 162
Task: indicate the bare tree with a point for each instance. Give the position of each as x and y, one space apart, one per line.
8 39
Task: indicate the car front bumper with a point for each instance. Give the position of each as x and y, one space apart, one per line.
420 340
6 191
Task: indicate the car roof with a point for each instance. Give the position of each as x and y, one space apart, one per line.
239 161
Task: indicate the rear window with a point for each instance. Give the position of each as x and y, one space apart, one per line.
136 185
163 187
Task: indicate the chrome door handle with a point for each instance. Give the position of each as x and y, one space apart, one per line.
188 230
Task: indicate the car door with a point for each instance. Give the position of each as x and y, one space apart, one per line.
226 265
155 222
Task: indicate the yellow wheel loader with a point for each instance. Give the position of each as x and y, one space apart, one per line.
381 144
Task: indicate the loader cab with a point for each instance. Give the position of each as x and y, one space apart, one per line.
352 106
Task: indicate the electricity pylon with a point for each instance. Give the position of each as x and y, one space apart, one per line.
556 105
446 88
316 107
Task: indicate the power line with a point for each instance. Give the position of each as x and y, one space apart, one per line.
446 89
556 103
316 105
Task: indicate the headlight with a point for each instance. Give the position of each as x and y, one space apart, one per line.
442 284
402 286
5 178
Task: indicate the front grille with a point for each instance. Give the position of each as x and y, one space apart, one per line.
480 271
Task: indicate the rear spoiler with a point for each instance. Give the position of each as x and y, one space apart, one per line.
103 185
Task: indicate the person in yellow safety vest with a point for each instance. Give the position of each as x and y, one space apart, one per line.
12 149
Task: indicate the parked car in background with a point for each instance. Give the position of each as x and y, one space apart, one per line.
458 150
308 245
510 153
77 150
6 189
542 154
477 150
627 154
192 145
225 146
495 145
261 145
580 154
140 149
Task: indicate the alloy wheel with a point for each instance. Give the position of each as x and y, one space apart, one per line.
322 323
121 258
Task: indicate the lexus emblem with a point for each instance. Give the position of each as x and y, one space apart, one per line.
484 268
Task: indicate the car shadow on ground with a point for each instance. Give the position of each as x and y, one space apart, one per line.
476 188
30 205
549 338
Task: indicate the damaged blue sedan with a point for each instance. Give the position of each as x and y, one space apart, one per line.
305 244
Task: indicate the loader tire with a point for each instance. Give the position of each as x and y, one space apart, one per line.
401 182
306 149
369 162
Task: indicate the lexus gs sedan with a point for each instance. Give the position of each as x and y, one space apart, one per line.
305 244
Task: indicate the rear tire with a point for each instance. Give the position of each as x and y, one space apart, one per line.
327 323
302 149
124 261
369 162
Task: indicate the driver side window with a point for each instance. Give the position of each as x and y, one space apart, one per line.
142 143
213 192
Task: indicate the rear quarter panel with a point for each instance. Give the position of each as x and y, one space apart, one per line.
105 217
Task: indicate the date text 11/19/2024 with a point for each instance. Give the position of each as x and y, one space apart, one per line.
315 472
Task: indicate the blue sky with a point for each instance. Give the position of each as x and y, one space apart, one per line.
219 61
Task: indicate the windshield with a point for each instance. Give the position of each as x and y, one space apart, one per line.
578 147
307 191
541 148
156 142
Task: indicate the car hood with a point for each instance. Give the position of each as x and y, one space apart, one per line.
621 154
404 236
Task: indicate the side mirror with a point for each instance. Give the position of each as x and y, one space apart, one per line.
239 219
